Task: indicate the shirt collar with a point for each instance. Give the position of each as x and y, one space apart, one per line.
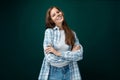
56 28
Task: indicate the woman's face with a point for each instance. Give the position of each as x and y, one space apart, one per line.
56 16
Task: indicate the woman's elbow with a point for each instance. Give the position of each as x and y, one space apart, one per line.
79 56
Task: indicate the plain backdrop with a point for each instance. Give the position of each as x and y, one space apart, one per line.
22 26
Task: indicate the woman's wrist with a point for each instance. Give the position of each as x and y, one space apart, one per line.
57 53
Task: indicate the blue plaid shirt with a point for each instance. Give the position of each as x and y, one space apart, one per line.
52 37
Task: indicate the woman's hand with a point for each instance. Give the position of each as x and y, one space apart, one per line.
75 48
50 49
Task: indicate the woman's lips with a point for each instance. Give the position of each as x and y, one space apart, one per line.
59 17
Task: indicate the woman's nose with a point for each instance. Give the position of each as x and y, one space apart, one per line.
58 14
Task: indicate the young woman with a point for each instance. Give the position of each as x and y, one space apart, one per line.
62 49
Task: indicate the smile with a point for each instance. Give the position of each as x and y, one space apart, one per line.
59 18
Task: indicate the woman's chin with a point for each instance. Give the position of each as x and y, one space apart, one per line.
60 21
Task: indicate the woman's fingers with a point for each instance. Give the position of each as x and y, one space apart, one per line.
76 47
49 49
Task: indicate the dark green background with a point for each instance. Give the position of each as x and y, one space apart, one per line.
22 25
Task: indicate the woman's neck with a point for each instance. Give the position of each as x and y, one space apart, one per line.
60 26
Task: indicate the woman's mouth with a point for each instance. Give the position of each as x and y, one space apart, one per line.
59 18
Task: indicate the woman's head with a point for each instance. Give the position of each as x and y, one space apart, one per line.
54 17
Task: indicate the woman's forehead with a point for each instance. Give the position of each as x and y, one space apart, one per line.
54 10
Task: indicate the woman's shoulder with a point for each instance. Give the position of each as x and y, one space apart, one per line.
49 31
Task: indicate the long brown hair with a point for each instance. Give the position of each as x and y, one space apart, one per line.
69 36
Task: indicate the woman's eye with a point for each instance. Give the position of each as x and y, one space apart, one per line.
58 11
53 15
